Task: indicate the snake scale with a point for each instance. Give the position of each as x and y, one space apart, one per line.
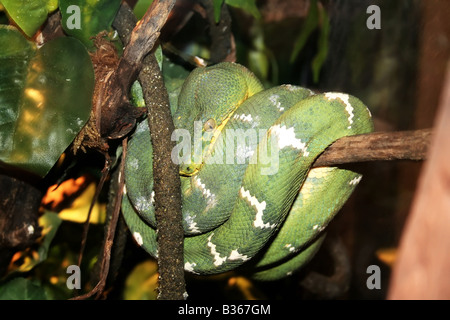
245 153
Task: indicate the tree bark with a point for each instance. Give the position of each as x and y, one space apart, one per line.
377 146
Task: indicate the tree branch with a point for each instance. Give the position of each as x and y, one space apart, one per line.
377 146
165 173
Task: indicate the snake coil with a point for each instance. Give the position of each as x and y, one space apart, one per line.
249 195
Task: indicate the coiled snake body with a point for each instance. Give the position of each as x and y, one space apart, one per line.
247 187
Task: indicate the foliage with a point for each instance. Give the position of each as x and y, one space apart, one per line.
317 18
246 5
45 100
22 289
29 15
96 16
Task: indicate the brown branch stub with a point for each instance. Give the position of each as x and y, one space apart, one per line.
105 61
377 146
222 41
113 115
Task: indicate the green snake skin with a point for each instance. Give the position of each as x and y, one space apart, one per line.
249 195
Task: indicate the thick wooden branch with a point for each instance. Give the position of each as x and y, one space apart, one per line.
377 146
167 183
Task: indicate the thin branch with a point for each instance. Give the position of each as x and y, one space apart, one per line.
110 233
377 146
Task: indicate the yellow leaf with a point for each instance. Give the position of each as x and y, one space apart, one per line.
79 209
142 282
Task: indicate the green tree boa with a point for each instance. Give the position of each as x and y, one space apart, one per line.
249 195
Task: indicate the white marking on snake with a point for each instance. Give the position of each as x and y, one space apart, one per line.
275 101
235 255
290 247
142 204
318 227
348 107
244 117
206 192
190 267
192 224
259 206
137 236
212 202
286 138
124 189
134 163
30 229
152 198
217 259
355 180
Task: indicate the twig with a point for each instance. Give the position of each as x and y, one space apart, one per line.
377 146
105 174
109 239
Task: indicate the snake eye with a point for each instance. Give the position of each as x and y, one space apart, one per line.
209 125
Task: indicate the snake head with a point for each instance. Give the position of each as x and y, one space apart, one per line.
208 99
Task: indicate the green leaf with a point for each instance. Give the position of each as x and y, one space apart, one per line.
29 15
141 8
311 23
137 95
142 282
159 56
322 52
93 17
246 5
50 223
22 289
45 99
217 8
